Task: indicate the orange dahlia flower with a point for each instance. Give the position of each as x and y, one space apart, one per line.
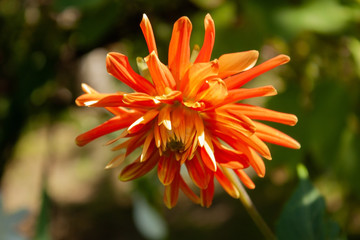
187 114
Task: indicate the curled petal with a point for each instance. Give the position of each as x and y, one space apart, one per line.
198 172
272 135
229 158
208 157
213 92
139 100
171 193
233 63
140 122
118 65
148 34
209 40
168 168
240 79
207 194
179 49
138 169
112 125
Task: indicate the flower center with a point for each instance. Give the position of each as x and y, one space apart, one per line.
175 145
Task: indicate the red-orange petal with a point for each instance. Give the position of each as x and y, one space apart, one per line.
240 79
168 167
112 125
171 193
188 192
227 185
209 40
233 63
198 172
118 66
148 34
138 169
206 195
272 135
140 122
245 179
179 49
230 158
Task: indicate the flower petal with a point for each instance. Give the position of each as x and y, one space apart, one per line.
148 34
209 40
198 172
112 125
245 179
118 66
138 169
239 80
233 63
140 122
228 186
213 92
188 192
168 167
206 195
207 155
179 49
272 135
171 193
259 113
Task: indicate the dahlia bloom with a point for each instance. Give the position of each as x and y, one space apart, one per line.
187 114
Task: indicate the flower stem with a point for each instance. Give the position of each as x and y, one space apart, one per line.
254 214
250 207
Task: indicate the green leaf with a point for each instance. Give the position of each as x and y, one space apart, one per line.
303 216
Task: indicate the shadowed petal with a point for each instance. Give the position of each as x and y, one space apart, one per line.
171 193
198 172
206 195
188 192
168 167
138 169
227 184
118 65
245 179
233 63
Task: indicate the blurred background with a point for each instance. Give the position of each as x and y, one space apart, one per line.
52 189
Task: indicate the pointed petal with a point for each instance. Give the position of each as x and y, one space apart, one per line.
259 113
139 123
138 169
229 158
245 179
198 172
148 34
147 142
179 49
112 125
272 135
164 117
206 195
118 66
227 185
188 192
171 193
208 157
116 161
233 63
168 167
239 80
209 40
213 92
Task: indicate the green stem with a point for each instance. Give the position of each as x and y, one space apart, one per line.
250 207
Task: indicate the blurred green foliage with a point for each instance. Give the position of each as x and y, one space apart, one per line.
42 44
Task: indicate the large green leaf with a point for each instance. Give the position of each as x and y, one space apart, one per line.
304 215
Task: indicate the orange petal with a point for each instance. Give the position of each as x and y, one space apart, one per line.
171 193
139 100
209 40
179 49
199 126
118 66
168 167
116 161
112 125
229 158
245 178
236 95
208 157
138 169
233 63
170 97
147 142
259 113
213 92
164 117
254 159
227 184
188 192
272 135
140 122
160 74
148 34
239 80
206 195
198 172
